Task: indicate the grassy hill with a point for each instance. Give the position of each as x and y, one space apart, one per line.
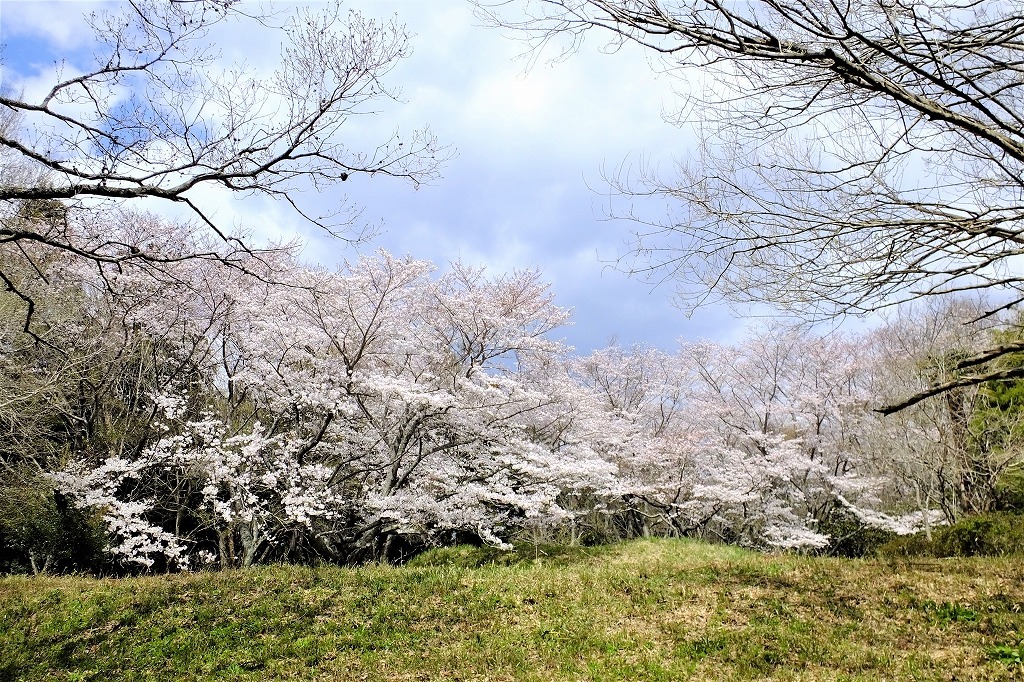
650 610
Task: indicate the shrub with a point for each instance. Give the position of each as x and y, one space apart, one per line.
470 556
1010 492
851 537
40 530
458 556
993 534
905 547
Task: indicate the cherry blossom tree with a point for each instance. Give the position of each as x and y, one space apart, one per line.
756 443
349 415
431 434
80 383
374 410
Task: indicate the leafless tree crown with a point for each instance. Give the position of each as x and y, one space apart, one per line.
854 154
157 115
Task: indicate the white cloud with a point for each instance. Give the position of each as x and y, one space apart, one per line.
58 22
529 144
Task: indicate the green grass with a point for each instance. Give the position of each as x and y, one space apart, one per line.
650 610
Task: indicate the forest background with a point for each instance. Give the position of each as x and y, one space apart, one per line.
177 393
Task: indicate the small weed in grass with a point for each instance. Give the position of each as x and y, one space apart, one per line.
702 647
1006 653
950 612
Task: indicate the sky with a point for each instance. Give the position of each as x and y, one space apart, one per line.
532 142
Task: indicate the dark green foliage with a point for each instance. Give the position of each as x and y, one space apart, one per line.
41 531
947 613
850 537
1010 492
907 546
1006 653
469 556
996 430
993 534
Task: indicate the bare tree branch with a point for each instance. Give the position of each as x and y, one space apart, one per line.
189 122
852 155
158 116
946 386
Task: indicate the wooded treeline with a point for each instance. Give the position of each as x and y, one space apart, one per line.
174 395
203 415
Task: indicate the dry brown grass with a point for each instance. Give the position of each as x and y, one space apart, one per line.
651 610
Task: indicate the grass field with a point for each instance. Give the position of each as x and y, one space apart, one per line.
648 610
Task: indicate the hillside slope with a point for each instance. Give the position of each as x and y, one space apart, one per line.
649 610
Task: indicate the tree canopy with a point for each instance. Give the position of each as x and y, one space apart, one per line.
856 155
